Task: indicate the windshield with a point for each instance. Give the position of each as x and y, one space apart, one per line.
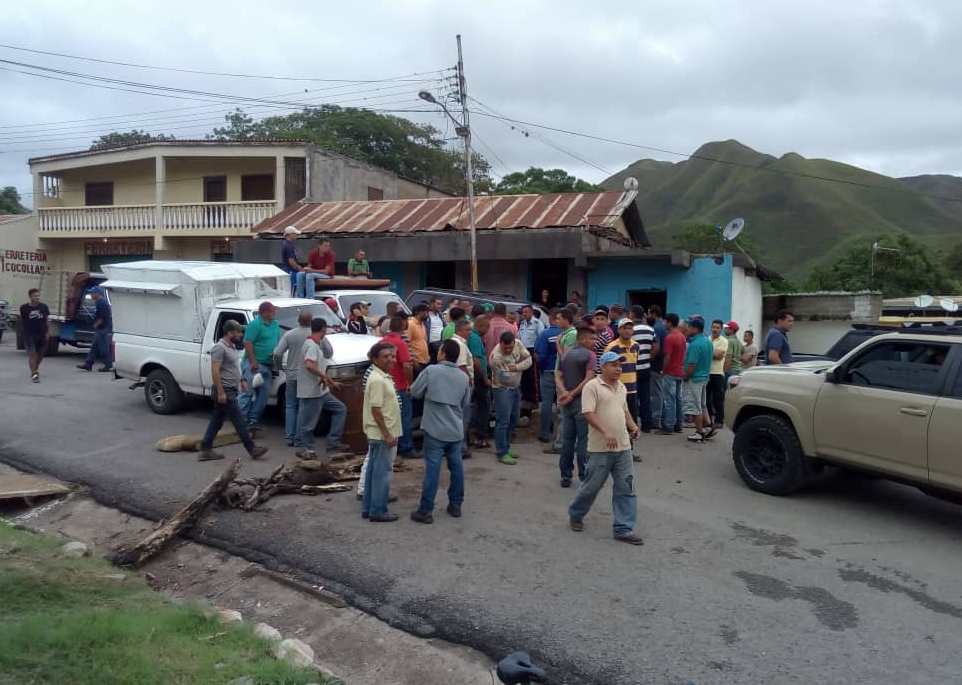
287 316
378 302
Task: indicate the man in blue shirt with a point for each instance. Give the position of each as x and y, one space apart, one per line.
697 369
289 261
546 355
103 332
777 349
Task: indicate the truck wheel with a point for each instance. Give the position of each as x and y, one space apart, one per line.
163 394
53 346
768 455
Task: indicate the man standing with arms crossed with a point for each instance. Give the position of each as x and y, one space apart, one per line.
33 317
260 339
610 429
226 381
382 426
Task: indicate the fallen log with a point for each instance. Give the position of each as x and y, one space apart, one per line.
299 477
179 522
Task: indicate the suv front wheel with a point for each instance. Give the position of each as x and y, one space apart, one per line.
768 455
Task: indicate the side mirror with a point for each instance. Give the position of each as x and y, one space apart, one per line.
831 376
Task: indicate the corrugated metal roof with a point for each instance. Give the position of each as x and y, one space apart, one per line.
598 212
6 218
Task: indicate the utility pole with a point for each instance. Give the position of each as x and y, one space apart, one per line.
465 133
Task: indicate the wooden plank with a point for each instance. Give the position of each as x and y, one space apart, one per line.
19 485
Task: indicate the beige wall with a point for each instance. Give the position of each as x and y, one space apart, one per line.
409 190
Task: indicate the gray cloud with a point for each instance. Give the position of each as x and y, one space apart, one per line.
869 83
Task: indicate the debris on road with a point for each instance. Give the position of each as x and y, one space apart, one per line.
191 443
75 550
299 477
27 487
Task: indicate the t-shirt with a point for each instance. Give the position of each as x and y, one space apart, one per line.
699 353
292 342
777 340
735 352
567 340
476 348
575 365
719 344
103 313
493 337
358 325
288 252
547 348
34 318
528 331
519 357
629 367
358 266
607 403
264 336
643 335
465 358
402 357
418 338
309 384
601 342
673 350
661 331
752 352
435 326
447 331
379 392
319 261
229 358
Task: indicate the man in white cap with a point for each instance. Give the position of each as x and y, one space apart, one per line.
289 258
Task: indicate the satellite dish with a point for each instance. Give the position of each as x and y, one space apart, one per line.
923 301
631 183
733 228
949 304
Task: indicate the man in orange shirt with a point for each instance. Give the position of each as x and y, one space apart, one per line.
320 264
418 335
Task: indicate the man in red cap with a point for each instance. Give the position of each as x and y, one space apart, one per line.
733 360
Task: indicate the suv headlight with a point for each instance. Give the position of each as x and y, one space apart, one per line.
347 372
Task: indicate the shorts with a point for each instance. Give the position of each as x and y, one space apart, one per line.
34 344
694 398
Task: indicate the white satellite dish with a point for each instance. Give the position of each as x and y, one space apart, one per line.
949 304
923 301
631 183
733 228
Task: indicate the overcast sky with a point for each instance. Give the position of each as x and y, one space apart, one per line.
874 84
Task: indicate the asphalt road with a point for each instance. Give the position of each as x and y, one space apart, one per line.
855 581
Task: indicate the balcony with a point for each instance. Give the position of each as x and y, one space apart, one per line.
190 219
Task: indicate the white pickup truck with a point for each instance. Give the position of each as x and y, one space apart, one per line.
168 315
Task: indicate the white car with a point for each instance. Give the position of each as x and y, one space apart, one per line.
379 300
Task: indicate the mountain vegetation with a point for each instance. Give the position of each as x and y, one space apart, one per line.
537 180
10 201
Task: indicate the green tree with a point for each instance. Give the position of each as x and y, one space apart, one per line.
913 270
953 261
122 138
415 151
707 239
540 181
10 202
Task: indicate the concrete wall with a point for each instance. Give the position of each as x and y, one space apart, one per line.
812 337
509 277
705 288
408 190
822 318
746 300
333 177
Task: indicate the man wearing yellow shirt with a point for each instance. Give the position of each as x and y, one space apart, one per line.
716 379
382 427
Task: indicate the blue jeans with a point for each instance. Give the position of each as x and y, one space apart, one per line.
574 440
290 408
294 278
377 478
434 451
656 397
100 349
507 403
624 505
254 401
671 416
308 414
228 410
644 400
545 431
405 443
306 283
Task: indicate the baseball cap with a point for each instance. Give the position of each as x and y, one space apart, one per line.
291 230
732 326
626 322
609 357
364 303
97 290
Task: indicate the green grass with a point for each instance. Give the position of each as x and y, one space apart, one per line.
62 621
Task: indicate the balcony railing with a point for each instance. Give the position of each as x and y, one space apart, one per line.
178 219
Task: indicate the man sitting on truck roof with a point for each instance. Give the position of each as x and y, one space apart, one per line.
320 264
358 266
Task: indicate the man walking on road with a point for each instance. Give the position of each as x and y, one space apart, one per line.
750 352
446 392
225 373
698 360
260 339
717 379
673 375
382 426
508 361
103 332
33 318
292 343
777 349
314 396
610 429
575 369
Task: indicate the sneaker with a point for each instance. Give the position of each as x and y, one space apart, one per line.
508 460
696 437
710 433
576 525
258 451
422 516
630 538
383 518
83 367
514 456
35 377
106 369
454 510
566 482
635 458
551 449
209 455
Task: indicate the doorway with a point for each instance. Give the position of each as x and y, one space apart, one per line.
646 298
550 275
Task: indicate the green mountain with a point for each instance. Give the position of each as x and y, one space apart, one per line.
796 218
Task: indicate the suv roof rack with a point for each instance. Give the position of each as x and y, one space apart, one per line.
914 328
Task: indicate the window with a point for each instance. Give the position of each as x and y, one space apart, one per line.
257 187
51 186
910 366
96 194
215 189
224 318
375 193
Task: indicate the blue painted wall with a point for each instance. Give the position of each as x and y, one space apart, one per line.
705 288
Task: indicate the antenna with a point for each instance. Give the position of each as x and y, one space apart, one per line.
631 183
923 301
948 304
733 228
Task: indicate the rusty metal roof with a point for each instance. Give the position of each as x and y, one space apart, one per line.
596 212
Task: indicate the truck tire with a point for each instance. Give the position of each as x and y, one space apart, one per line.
162 393
53 346
768 455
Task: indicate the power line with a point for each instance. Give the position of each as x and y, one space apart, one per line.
197 71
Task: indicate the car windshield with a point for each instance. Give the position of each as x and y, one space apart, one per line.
287 316
377 299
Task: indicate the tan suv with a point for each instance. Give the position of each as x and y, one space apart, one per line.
892 407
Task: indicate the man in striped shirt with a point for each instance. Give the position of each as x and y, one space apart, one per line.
629 351
603 335
644 337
